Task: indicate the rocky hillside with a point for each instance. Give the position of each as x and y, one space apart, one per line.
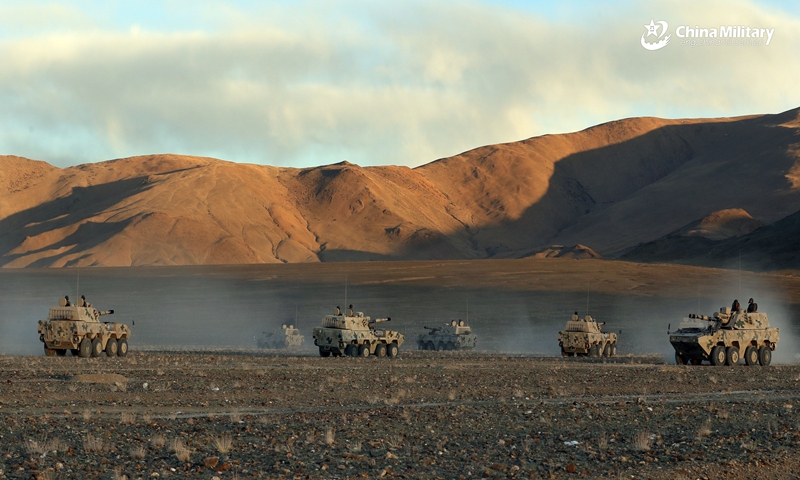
608 188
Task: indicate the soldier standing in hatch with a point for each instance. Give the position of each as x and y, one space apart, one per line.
736 307
751 307
350 311
338 311
66 299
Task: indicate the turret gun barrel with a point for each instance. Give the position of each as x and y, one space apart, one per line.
702 317
380 320
106 312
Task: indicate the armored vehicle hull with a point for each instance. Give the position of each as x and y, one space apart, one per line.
455 335
725 339
356 336
78 329
287 338
583 337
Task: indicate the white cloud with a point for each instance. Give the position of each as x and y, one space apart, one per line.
397 83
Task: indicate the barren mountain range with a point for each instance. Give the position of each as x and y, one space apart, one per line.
611 189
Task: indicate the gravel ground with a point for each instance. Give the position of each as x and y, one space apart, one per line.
424 415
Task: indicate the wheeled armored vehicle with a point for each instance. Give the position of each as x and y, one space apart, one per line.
286 337
355 335
583 337
455 335
77 328
725 338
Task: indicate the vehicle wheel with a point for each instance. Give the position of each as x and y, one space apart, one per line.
363 351
764 356
111 347
85 348
391 350
50 352
731 355
380 350
324 353
440 347
450 346
430 346
336 352
351 351
97 347
61 352
614 350
607 350
696 361
751 355
679 360
75 352
421 346
594 351
718 356
122 347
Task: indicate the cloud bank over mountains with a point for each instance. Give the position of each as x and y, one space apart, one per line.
315 83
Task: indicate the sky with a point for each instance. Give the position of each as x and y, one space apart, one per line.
305 83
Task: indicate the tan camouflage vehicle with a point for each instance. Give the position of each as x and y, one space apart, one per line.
455 335
583 337
77 328
286 337
725 338
355 335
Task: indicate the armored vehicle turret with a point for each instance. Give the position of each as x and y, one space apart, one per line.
725 338
355 335
77 328
583 337
286 337
455 335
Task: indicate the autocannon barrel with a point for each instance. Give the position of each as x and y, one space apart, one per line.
701 317
380 320
106 312
432 328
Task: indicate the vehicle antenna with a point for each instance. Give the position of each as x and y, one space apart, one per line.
740 272
467 309
345 291
78 286
587 299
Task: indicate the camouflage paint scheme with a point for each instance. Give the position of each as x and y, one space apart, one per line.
455 335
698 335
67 327
584 337
354 335
287 337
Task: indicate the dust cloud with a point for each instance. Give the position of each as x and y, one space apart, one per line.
231 307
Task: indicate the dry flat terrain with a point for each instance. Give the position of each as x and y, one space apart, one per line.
423 415
609 188
184 404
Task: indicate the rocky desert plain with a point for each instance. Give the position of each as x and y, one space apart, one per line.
638 222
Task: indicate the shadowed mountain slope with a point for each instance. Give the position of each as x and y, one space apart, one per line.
772 247
609 187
